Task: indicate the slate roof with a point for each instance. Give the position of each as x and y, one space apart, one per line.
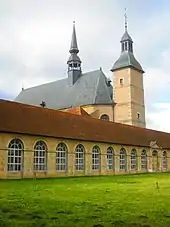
90 88
127 59
31 120
126 37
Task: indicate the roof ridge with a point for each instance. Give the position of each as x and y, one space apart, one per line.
25 89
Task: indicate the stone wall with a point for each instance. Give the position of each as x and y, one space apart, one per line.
27 171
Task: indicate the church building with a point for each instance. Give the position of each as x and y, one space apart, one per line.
93 92
82 124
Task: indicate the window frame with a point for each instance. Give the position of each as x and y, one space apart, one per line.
143 160
96 158
121 81
122 161
110 158
40 156
61 158
104 117
79 158
138 115
15 152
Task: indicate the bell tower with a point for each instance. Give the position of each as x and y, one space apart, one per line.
74 62
128 91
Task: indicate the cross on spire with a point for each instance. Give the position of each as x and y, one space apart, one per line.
125 15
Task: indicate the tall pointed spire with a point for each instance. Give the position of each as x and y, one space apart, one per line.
74 62
74 47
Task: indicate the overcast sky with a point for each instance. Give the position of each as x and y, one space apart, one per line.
35 39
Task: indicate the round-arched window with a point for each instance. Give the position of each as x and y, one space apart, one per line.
104 117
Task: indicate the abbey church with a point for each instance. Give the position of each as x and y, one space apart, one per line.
82 124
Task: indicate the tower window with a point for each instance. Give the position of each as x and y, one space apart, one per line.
122 46
131 49
121 81
75 65
138 115
126 46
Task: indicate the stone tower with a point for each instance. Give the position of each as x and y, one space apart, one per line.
128 92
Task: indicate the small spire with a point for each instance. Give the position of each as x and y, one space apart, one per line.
74 62
74 47
22 87
125 15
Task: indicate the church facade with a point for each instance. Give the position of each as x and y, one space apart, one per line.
82 125
123 102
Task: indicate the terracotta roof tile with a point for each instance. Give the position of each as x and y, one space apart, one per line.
26 119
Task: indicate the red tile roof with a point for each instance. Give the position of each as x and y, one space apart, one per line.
26 119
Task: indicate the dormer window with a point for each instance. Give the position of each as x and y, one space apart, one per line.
121 81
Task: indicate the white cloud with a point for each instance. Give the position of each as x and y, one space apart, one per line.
158 118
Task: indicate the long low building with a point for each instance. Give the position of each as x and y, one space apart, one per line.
42 142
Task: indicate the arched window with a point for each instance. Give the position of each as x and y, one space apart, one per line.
109 159
164 160
96 158
104 117
79 157
15 155
133 159
143 160
40 156
122 158
61 157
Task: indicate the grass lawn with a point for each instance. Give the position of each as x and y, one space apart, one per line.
129 200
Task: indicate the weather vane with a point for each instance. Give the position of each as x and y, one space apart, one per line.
125 15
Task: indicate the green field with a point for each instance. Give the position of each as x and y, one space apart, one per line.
128 200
